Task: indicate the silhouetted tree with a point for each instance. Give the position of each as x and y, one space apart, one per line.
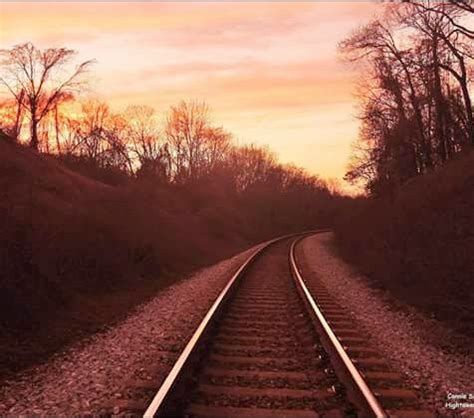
36 80
416 108
439 24
12 117
147 148
90 130
250 165
194 145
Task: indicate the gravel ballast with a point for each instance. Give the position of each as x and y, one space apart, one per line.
94 375
404 336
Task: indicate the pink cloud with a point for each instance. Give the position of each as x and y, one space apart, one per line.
253 62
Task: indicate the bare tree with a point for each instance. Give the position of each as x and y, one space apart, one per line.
116 154
148 150
11 117
376 41
184 131
250 165
218 143
38 79
89 131
194 145
142 131
440 23
416 108
449 10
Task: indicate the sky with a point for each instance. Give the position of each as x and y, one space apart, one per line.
270 72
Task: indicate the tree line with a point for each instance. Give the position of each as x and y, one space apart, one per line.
188 149
416 108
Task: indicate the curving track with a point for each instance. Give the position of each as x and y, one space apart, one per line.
267 349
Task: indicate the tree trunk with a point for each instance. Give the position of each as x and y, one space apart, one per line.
440 107
34 142
463 82
56 126
425 145
17 127
469 116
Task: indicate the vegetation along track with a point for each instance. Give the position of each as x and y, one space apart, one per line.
267 349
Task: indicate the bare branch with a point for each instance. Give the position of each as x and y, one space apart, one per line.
30 71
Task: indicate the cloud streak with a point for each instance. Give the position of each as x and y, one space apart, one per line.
270 70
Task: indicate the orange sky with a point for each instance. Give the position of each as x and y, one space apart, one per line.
269 71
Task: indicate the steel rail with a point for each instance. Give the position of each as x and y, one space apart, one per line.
168 384
369 397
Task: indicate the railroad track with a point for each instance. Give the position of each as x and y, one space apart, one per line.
273 346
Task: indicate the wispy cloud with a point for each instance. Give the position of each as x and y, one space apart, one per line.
270 70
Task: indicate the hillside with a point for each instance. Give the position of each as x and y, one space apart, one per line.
77 254
419 245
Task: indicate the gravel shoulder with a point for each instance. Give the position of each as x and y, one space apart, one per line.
94 374
415 345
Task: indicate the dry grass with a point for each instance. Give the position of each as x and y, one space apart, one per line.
77 254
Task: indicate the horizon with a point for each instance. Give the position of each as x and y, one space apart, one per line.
270 73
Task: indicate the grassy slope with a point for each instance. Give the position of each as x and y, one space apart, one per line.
420 246
77 254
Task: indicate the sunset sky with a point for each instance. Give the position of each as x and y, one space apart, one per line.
270 72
